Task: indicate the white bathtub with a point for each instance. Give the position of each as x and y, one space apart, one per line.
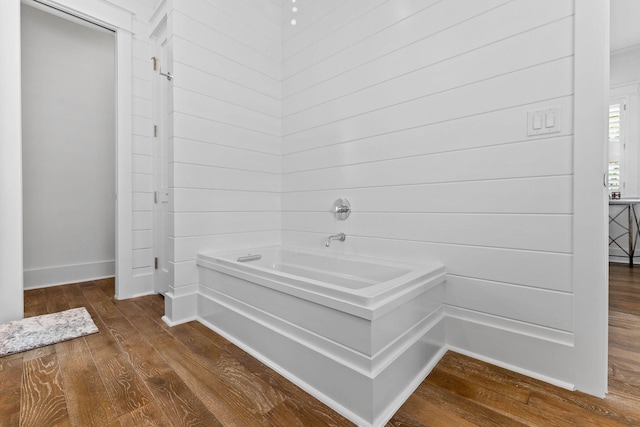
359 334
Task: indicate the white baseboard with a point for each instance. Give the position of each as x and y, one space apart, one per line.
535 351
65 274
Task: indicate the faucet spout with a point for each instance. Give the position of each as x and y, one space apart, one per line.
340 236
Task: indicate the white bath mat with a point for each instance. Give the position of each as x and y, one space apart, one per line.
38 331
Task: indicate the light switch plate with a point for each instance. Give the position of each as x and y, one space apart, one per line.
544 121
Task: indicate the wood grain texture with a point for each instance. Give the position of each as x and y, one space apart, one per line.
11 369
137 371
43 399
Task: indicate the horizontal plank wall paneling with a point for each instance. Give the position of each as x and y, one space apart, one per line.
416 111
225 149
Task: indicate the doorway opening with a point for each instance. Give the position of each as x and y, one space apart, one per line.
69 148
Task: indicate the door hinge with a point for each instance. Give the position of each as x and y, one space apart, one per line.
155 262
153 61
155 131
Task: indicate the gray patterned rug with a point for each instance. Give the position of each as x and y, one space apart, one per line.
38 331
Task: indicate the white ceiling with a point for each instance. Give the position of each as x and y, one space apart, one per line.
625 24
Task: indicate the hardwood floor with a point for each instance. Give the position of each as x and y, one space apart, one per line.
137 371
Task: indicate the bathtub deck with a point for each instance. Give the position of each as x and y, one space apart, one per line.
138 369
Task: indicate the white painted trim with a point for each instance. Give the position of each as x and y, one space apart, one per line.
124 185
100 12
513 368
590 226
11 281
64 274
523 328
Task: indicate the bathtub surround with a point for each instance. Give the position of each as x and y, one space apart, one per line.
417 113
359 334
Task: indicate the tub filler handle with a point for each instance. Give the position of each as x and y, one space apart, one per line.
340 236
249 258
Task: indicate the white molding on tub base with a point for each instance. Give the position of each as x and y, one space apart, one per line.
181 305
372 397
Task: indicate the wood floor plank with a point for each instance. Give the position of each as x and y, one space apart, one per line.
227 405
87 398
500 402
11 369
107 286
35 303
467 409
102 304
126 389
139 371
493 380
180 403
295 394
55 299
150 415
177 400
417 409
292 413
43 398
229 370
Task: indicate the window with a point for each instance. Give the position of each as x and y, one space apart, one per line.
616 146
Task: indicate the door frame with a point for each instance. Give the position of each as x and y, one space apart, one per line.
120 21
590 196
162 271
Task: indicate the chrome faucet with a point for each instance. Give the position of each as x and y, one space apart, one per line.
340 236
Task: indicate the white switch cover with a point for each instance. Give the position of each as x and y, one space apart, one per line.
541 122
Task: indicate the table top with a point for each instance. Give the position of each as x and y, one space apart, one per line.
624 201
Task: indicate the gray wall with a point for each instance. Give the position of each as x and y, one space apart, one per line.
68 93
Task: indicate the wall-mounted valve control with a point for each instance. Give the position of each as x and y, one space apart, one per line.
341 209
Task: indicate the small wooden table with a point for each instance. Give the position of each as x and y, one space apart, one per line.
631 228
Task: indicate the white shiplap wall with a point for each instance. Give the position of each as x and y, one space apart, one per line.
416 111
225 167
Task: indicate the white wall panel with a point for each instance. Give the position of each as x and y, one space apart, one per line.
495 16
331 23
459 40
417 113
496 264
527 304
526 232
225 165
207 154
468 132
547 81
190 29
207 108
204 223
501 58
205 59
239 30
204 177
187 248
263 15
516 195
520 160
207 83
197 129
201 200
